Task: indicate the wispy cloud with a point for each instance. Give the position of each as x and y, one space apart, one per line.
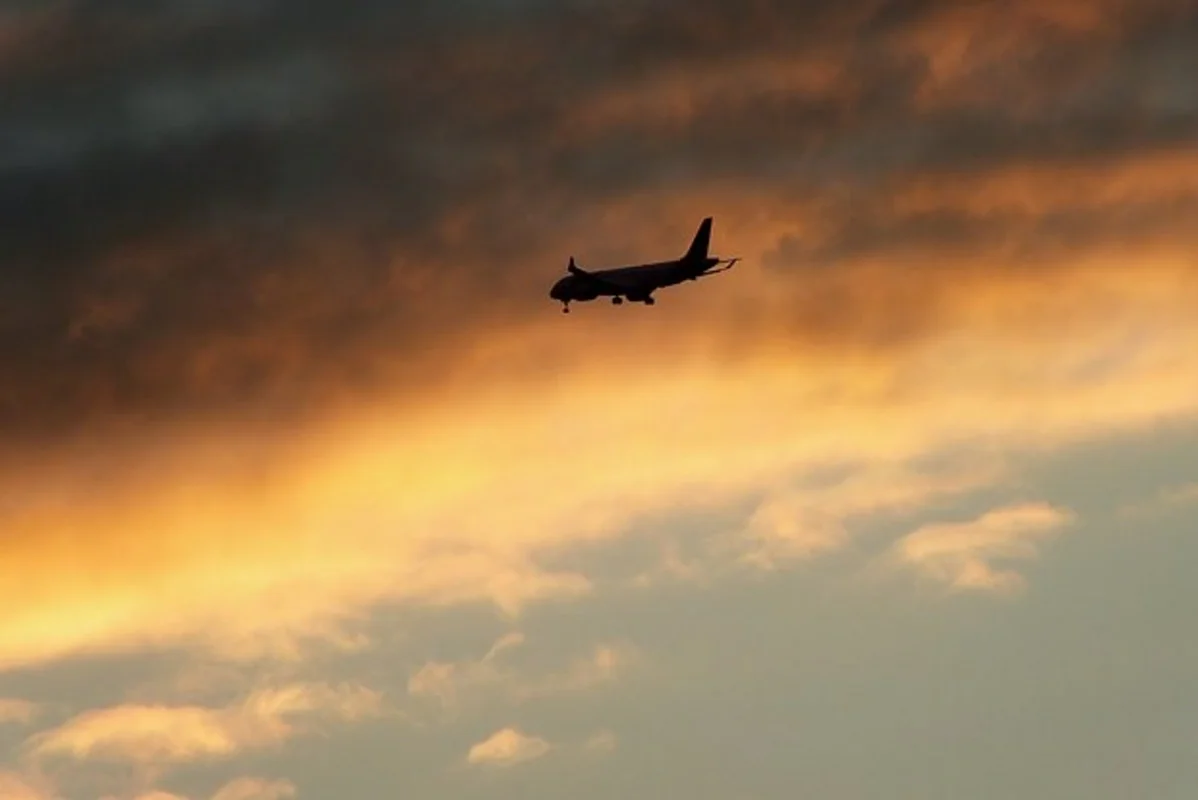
966 555
813 518
1167 499
601 742
256 789
150 734
1180 495
449 683
246 788
507 748
603 665
14 786
13 710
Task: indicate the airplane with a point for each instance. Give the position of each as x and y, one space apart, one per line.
637 283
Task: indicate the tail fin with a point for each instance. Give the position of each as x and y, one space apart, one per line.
701 242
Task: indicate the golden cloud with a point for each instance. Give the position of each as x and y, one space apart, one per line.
18 711
17 787
565 430
255 789
449 682
801 521
237 789
175 734
506 748
962 554
445 681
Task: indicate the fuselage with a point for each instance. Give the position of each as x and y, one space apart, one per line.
634 282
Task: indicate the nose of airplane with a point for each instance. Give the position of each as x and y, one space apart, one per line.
556 292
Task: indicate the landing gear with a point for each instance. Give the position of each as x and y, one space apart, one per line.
617 300
566 308
649 301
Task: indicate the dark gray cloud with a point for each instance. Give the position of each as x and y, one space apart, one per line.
210 206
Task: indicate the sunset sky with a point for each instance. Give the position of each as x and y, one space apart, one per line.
308 490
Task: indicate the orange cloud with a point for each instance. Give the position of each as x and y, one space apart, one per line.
966 43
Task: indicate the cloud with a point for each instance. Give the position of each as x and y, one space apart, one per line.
603 665
1166 499
447 680
18 711
245 788
963 554
266 539
601 742
286 382
255 789
506 748
1180 495
17 787
178 734
449 683
807 520
220 265
511 746
271 358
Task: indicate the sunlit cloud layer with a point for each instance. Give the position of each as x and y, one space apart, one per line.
276 355
463 502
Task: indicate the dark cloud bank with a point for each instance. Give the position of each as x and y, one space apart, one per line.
215 207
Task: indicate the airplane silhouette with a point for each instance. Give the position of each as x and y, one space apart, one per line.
637 283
